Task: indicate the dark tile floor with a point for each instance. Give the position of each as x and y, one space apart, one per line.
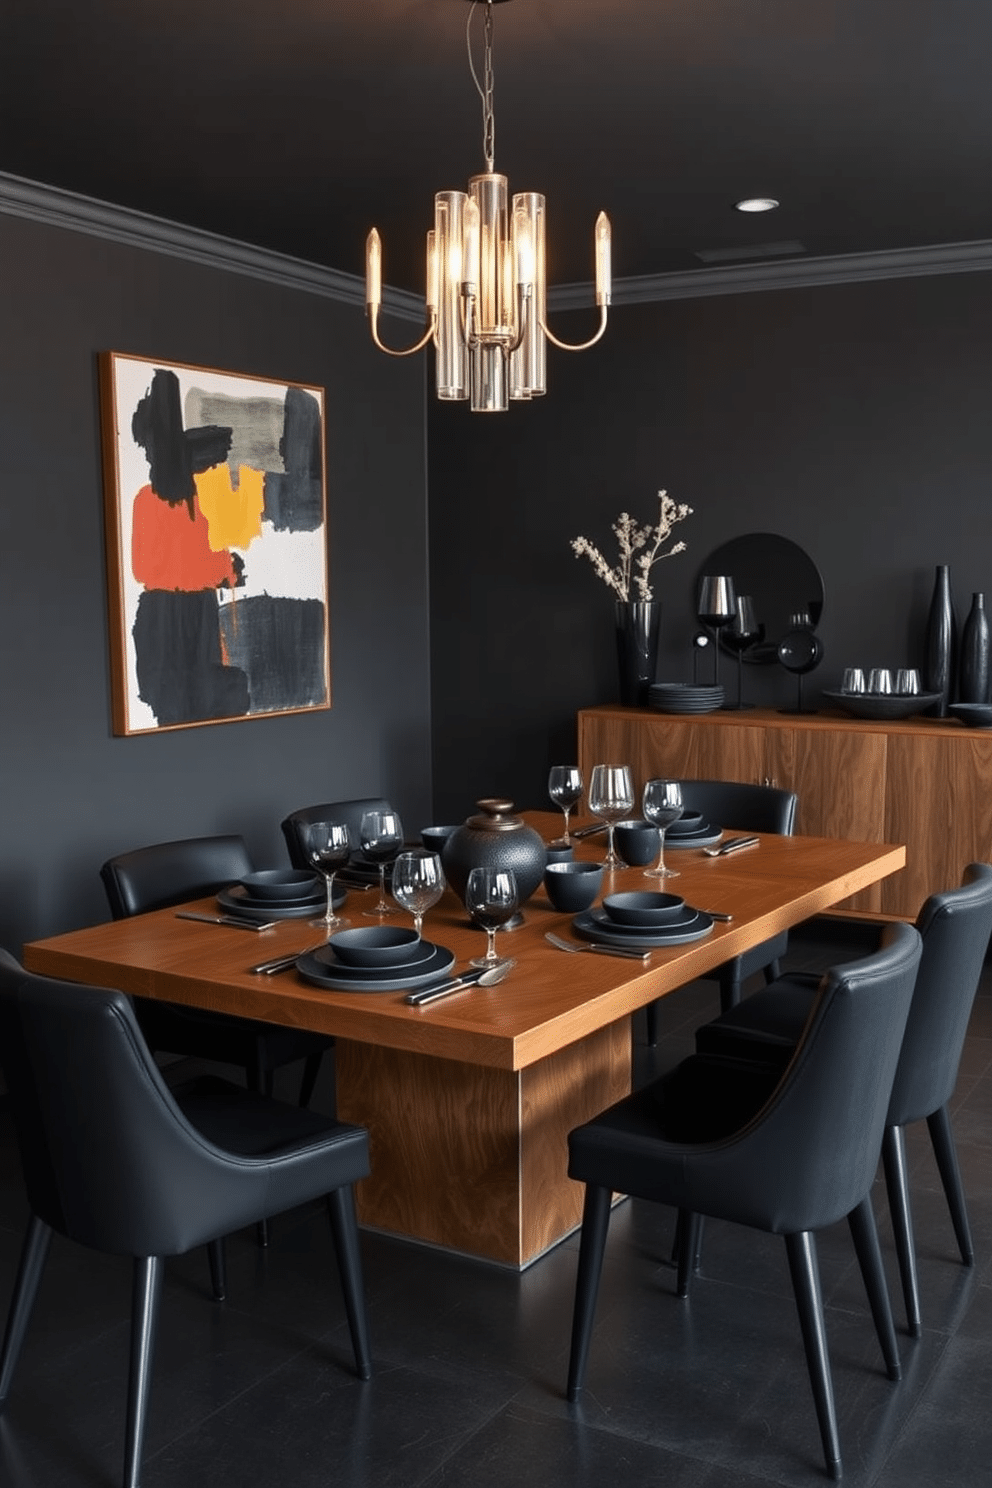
470 1360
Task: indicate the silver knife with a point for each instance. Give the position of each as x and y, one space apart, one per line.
737 844
236 924
482 978
589 831
283 963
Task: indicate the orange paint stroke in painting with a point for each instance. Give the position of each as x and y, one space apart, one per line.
171 550
234 514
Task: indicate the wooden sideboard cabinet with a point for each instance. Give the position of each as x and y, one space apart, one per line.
924 782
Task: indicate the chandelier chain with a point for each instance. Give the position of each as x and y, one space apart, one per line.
487 87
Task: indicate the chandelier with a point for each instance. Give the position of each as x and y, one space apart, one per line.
486 289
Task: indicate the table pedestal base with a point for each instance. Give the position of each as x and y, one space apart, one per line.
475 1158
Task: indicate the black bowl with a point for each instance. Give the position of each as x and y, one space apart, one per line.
643 907
374 945
636 842
572 887
280 883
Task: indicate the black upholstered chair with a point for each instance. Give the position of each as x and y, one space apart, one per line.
349 812
116 1161
739 807
804 1158
955 928
168 873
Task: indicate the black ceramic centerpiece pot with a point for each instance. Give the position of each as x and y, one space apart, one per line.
495 838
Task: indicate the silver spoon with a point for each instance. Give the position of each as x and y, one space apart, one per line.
462 984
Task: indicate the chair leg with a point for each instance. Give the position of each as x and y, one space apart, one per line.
652 1012
311 1069
801 1249
864 1233
772 971
34 1253
218 1268
730 987
688 1247
146 1296
344 1227
595 1224
942 1137
897 1187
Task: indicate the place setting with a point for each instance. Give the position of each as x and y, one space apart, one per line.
277 894
643 920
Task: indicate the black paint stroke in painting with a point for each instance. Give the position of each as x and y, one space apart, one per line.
279 644
181 674
174 454
293 499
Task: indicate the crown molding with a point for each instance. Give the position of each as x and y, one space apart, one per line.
76 213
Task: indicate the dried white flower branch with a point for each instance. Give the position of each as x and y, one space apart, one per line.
639 549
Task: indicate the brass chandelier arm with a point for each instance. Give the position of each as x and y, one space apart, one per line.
372 311
582 345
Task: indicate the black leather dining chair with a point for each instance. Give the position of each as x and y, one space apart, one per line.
348 812
788 1162
116 1161
168 873
955 927
739 807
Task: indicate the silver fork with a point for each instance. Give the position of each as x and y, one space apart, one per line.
588 945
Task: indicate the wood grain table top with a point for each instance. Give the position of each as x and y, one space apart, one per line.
550 999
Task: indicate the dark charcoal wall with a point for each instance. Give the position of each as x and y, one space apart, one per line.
70 793
853 420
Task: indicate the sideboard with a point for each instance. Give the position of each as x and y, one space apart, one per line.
923 782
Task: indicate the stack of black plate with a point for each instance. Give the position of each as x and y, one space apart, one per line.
692 830
684 697
643 921
361 869
422 964
278 894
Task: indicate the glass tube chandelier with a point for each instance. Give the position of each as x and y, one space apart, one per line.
486 289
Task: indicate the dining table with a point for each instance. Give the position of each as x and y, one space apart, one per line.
469 1100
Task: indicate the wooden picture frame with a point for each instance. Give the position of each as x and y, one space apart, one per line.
216 526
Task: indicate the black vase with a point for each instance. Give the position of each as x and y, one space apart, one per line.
973 663
637 648
940 654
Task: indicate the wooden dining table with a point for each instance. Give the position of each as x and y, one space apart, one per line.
469 1100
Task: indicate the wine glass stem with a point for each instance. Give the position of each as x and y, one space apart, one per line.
740 678
418 921
716 656
382 906
564 836
611 857
491 954
330 916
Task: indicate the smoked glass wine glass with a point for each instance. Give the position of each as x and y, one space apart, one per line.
491 899
740 635
326 845
662 805
716 607
611 797
418 882
565 789
381 836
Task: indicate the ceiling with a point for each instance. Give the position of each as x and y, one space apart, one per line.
297 124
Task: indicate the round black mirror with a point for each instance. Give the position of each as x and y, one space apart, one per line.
781 578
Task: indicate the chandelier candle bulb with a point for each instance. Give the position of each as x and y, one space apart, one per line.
604 272
373 269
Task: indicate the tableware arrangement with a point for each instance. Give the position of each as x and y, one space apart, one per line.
491 899
236 900
418 883
662 805
322 968
715 608
572 886
565 789
687 925
883 707
611 796
327 845
636 841
468 979
381 837
740 635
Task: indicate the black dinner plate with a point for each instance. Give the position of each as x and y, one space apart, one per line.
374 979
586 927
706 836
237 900
684 920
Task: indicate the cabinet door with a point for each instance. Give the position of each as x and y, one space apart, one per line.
839 776
939 802
683 748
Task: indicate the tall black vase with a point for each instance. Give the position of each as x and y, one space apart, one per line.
637 648
940 653
973 662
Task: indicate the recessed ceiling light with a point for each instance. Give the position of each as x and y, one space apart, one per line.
756 204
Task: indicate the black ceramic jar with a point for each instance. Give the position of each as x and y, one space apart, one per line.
495 838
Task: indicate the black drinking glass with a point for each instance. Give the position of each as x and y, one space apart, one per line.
716 608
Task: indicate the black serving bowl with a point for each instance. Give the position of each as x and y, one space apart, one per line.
572 887
643 907
374 945
636 842
280 883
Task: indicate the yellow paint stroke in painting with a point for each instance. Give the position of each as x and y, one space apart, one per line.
233 513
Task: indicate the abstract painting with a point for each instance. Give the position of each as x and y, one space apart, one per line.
216 544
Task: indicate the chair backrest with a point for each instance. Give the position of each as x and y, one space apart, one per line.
109 1159
166 873
740 807
809 1157
956 927
349 812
